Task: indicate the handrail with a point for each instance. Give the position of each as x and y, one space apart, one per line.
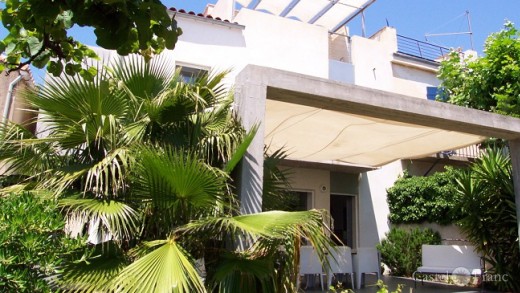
420 49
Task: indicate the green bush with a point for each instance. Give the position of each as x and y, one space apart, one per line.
416 199
32 243
401 250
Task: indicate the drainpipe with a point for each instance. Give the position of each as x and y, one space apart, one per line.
10 98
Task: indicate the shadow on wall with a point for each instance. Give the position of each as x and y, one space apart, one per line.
368 229
249 185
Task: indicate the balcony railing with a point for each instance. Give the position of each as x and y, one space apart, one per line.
416 48
472 151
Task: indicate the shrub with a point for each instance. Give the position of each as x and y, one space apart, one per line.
416 199
401 250
32 243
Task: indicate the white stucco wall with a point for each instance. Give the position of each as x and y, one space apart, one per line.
373 207
210 44
411 81
341 71
376 66
371 59
312 180
285 44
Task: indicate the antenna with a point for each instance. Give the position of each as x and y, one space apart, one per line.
469 32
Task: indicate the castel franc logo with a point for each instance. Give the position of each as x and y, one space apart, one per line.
463 275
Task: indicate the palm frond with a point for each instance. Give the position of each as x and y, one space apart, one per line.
273 224
217 133
241 272
168 268
93 272
240 151
276 193
167 176
114 220
22 153
144 80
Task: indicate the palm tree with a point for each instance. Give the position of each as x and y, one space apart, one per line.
487 202
142 162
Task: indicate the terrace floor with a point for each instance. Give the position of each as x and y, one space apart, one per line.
392 282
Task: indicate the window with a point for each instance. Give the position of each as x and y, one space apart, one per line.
431 93
302 202
189 73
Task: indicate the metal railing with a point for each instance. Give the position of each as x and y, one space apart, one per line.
416 48
472 151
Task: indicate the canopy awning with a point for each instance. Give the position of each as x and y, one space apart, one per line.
323 121
327 136
332 14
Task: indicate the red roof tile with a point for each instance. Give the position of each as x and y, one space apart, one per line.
200 15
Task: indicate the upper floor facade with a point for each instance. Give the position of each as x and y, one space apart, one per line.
223 38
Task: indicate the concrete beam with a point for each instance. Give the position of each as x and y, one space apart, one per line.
325 94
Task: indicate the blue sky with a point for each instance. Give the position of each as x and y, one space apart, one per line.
411 18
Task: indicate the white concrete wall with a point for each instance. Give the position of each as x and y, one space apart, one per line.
373 207
371 59
411 81
341 71
450 234
312 180
285 44
210 44
376 66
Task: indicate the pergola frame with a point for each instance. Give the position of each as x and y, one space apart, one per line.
255 85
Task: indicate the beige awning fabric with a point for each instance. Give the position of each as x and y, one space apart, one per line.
318 135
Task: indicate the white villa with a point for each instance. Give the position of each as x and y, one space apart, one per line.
351 111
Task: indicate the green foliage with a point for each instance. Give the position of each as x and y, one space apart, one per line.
383 288
142 161
488 83
276 188
415 199
401 250
38 32
488 202
33 246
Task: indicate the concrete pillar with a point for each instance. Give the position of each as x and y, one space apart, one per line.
250 98
514 148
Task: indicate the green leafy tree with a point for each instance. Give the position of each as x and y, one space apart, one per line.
38 32
487 202
489 82
143 162
33 243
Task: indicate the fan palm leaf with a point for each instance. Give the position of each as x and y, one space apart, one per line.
94 271
274 224
168 268
178 182
22 153
114 220
241 272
